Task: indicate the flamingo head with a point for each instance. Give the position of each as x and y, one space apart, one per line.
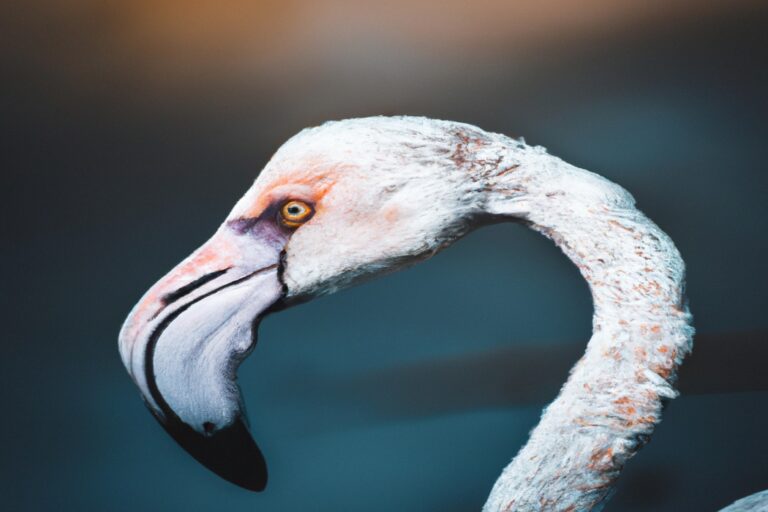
335 205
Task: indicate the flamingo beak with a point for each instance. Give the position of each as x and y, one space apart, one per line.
183 342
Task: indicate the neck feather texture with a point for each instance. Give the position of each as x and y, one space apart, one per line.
613 398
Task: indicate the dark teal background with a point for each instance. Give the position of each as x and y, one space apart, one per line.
413 391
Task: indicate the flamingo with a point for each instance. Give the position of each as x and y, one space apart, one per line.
353 199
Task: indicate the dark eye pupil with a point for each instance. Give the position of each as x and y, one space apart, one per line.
294 210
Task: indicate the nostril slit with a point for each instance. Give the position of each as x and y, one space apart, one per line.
188 288
208 427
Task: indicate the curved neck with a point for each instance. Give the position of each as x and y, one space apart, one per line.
612 399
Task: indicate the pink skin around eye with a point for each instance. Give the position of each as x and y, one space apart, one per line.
310 185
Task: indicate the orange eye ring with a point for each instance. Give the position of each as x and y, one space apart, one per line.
294 213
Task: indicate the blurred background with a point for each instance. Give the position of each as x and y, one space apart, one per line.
130 128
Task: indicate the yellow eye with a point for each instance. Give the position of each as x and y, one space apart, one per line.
294 213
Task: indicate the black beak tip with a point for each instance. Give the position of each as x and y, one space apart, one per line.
230 452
